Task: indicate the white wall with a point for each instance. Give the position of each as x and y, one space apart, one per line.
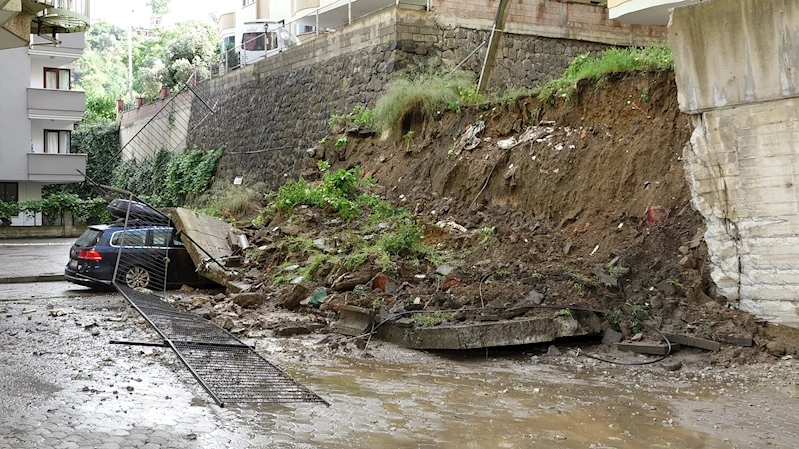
15 128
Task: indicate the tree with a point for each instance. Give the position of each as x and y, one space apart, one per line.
159 7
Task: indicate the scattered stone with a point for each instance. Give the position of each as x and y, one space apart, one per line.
637 337
291 297
56 313
248 300
697 240
687 340
776 348
444 270
450 283
624 326
675 366
567 247
129 388
534 297
198 301
380 282
238 287
290 229
687 262
605 278
292 329
322 245
348 281
667 288
612 337
193 436
684 250
219 297
656 303
553 351
480 263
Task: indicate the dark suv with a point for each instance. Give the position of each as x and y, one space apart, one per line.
149 253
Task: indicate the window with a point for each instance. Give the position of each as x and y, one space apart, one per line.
247 2
57 79
57 141
253 41
132 238
9 192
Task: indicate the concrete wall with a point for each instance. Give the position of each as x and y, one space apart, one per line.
167 124
743 158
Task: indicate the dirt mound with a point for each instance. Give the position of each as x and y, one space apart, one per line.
580 205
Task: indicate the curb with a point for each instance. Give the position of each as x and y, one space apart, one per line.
29 279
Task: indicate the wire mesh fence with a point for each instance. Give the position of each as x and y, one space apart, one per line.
150 252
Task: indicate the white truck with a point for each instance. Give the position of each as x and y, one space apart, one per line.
263 38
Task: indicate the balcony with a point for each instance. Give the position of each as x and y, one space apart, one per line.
55 168
57 16
21 18
53 104
644 12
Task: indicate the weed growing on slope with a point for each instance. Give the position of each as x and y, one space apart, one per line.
426 93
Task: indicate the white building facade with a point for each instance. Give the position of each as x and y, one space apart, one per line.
38 112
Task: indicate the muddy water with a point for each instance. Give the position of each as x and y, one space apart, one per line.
510 402
75 385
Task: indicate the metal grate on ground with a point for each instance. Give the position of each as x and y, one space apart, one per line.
229 370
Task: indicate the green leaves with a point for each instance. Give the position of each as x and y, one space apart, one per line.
167 179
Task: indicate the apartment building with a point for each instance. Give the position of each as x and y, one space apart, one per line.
38 112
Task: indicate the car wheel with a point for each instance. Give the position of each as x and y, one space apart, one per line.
137 277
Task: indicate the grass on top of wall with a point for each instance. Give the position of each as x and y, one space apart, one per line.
653 58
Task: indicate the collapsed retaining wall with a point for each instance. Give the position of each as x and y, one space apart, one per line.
269 113
743 159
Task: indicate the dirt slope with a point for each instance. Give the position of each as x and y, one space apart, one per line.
566 204
590 211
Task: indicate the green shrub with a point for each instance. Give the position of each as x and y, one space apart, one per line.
336 192
360 116
425 93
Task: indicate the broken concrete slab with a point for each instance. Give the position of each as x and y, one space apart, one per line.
696 342
353 321
206 240
482 334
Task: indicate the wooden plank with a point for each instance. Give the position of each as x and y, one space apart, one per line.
647 348
688 340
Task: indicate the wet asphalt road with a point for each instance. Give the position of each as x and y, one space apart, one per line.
33 257
62 385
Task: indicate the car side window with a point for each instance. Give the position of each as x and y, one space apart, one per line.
161 237
132 238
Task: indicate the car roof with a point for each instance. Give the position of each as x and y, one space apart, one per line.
115 226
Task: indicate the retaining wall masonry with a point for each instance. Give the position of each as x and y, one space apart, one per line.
267 114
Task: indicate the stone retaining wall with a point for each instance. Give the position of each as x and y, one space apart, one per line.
269 113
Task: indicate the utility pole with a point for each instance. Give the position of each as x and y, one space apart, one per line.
493 44
130 58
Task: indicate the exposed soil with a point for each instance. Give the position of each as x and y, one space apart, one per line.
593 213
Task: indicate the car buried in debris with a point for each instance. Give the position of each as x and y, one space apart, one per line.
94 257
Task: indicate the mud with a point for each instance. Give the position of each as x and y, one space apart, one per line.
68 388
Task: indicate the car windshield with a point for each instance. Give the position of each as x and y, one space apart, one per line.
88 238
